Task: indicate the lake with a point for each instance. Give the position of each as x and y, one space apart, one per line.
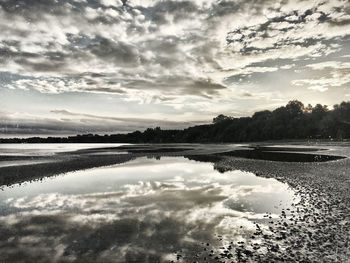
159 209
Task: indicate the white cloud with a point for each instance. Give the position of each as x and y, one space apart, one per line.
115 3
330 65
318 88
288 66
334 79
157 39
334 74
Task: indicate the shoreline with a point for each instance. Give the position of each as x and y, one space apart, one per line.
62 162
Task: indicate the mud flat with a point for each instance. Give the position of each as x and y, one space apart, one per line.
317 229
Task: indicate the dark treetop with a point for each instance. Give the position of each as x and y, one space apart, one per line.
293 121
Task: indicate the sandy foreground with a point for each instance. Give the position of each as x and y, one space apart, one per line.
316 230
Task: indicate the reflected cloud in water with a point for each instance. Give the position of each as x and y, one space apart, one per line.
146 210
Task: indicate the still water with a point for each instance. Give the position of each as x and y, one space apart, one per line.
45 149
145 210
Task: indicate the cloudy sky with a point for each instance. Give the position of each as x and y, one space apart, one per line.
103 66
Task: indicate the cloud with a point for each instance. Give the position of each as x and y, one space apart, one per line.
285 27
65 122
165 46
122 54
334 74
191 59
329 65
335 79
318 88
102 40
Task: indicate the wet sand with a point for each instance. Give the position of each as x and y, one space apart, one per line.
316 230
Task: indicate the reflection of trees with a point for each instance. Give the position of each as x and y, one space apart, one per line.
214 159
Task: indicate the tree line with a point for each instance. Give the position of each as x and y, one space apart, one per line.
293 121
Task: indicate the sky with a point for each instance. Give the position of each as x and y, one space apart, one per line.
112 66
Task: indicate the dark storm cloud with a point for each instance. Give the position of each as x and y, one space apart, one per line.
33 9
119 53
180 10
178 85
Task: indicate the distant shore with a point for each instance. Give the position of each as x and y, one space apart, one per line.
290 122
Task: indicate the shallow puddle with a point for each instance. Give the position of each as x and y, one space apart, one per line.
146 210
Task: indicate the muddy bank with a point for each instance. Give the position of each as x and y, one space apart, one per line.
316 230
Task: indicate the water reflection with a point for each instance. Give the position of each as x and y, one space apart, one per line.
46 149
145 210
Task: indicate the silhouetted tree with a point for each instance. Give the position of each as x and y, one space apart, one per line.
293 121
220 118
